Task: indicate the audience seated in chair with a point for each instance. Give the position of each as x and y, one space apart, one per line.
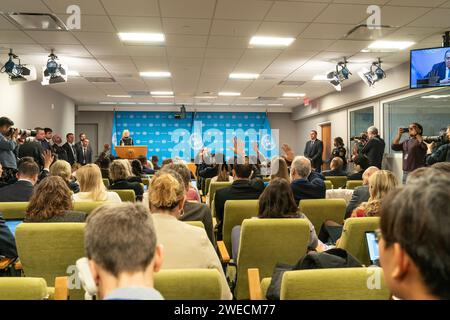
414 242
361 164
276 201
279 169
62 169
242 188
104 163
336 168
91 186
361 193
147 167
223 173
20 191
305 183
121 245
118 173
52 202
185 246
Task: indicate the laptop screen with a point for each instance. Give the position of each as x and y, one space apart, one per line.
372 245
12 225
194 183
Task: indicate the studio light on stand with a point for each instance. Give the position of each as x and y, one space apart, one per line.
54 72
339 75
18 72
372 75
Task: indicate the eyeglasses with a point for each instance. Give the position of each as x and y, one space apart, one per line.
378 235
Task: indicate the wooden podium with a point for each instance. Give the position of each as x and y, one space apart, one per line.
131 152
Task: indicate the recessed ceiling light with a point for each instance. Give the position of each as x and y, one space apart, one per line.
383 44
229 94
221 104
165 103
203 104
321 77
141 37
244 76
118 95
73 73
241 104
436 96
275 104
155 74
146 103
271 41
205 97
247 98
293 95
106 102
127 102
161 93
257 104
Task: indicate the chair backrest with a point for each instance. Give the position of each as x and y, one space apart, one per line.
352 184
337 181
23 288
196 224
320 210
106 182
86 206
189 284
13 210
353 237
264 243
192 168
47 250
213 187
126 194
146 181
328 184
235 212
206 186
334 284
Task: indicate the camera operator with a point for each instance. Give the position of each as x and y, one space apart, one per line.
33 147
374 148
8 146
440 154
414 148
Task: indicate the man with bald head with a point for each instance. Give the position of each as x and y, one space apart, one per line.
305 183
361 193
374 148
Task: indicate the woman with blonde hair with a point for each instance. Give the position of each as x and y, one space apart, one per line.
118 173
62 168
92 187
51 202
279 169
126 139
185 246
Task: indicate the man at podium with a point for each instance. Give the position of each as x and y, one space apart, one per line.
126 139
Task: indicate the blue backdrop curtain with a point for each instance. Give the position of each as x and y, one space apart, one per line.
168 137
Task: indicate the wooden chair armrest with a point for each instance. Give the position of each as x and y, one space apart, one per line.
18 265
254 284
5 262
61 288
224 255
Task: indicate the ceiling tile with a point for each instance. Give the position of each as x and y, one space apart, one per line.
23 6
132 8
91 23
185 52
68 50
146 51
242 10
218 66
223 53
186 26
53 37
343 13
400 16
15 37
348 45
173 40
92 7
107 50
6 25
294 11
187 9
98 38
281 29
234 28
137 24
228 42
310 44
416 3
434 18
326 31
154 64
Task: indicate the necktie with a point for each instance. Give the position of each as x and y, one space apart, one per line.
84 155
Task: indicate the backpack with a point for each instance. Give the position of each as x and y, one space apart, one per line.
332 258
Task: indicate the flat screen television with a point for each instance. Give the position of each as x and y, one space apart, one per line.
430 68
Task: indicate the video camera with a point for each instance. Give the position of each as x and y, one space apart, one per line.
23 132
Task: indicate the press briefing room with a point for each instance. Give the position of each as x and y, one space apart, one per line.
240 151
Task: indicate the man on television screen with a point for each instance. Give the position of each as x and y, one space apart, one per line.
442 69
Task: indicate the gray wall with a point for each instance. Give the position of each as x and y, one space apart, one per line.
30 105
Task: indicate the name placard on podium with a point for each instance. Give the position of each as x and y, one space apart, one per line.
131 152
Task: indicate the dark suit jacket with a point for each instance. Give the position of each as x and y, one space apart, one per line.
7 242
19 191
374 150
239 190
81 159
314 151
439 69
60 152
334 173
360 195
196 211
32 149
71 156
127 185
311 188
46 145
355 175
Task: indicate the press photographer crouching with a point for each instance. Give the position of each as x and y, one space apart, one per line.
440 153
8 149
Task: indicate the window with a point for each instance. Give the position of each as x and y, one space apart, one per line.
360 120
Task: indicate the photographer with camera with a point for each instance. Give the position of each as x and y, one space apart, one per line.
8 146
374 148
440 154
414 148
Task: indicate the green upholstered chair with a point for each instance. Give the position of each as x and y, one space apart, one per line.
146 181
126 195
86 206
320 210
207 182
13 210
334 284
353 237
23 288
337 181
214 186
328 184
106 183
189 284
196 224
352 184
50 250
264 243
235 212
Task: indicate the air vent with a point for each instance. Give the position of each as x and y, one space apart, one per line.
363 33
139 93
291 83
35 21
100 79
267 98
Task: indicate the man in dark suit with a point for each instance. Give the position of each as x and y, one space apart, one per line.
47 141
305 183
7 243
241 189
21 190
84 152
69 146
360 194
33 149
57 148
442 69
313 151
336 168
374 148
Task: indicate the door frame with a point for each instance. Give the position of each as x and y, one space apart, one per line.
320 126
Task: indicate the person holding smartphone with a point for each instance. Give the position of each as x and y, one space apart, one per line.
414 148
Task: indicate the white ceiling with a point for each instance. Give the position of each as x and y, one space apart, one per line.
208 39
